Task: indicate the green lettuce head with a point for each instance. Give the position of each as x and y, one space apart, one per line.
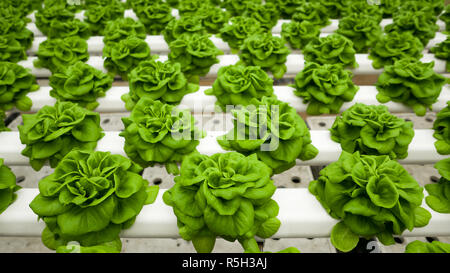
389 7
436 6
98 15
213 18
121 28
372 130
189 7
363 29
8 186
425 247
73 27
122 57
361 6
267 15
411 82
442 51
237 7
54 131
394 46
11 50
335 7
50 14
419 23
157 80
371 196
226 195
441 128
90 198
238 30
159 133
332 49
439 193
273 131
313 12
267 51
196 53
324 87
286 8
80 83
182 27
15 83
17 29
57 54
299 34
155 17
238 85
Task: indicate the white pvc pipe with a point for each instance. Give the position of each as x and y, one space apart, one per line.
300 213
198 102
158 45
294 63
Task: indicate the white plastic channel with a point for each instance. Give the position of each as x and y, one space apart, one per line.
421 149
158 45
294 64
301 216
276 29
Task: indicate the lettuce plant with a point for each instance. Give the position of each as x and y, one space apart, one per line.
157 80
437 6
90 198
196 53
361 6
287 7
314 12
50 14
15 83
273 131
372 130
8 186
73 27
445 17
414 6
238 85
335 7
57 54
157 132
370 196
21 7
422 247
237 7
54 131
17 29
299 34
363 29
439 193
11 50
394 46
183 26
239 29
324 87
122 28
155 17
412 83
80 83
64 4
267 15
389 7
267 51
421 25
442 51
189 7
331 49
441 128
123 56
213 18
226 195
98 15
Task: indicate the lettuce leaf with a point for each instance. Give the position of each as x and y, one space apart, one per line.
441 128
8 186
439 193
331 49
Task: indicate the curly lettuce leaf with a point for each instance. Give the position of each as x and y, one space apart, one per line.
90 198
314 12
371 196
97 15
184 26
17 29
324 87
155 17
15 83
412 83
363 29
238 29
372 130
331 49
442 51
121 28
299 34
